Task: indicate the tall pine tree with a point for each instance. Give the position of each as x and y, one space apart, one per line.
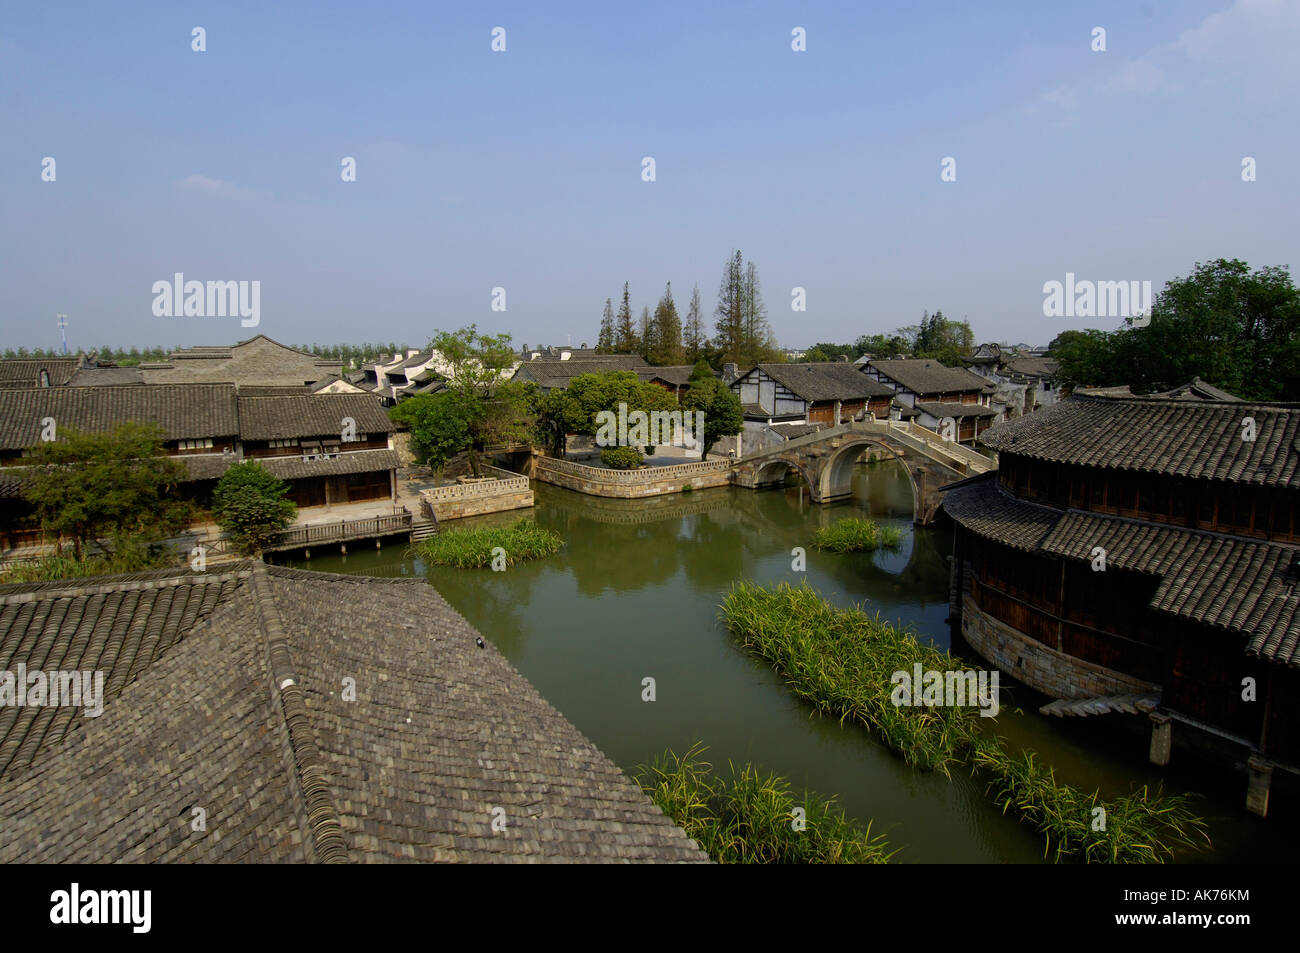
647 335
625 341
693 337
729 313
666 327
605 343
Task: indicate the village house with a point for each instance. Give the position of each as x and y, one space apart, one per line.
1143 554
330 448
257 714
259 360
1022 382
777 397
936 393
38 372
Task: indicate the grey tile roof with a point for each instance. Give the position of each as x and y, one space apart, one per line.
1239 585
679 375
101 376
258 360
26 372
354 461
1032 366
309 415
959 411
227 695
184 411
1197 439
549 374
838 380
927 376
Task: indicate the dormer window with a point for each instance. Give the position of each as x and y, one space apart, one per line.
44 377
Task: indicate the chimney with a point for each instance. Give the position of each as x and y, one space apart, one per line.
729 373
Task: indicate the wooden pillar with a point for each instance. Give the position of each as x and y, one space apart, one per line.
1261 779
1162 736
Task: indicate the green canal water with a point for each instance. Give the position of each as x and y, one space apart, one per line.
635 592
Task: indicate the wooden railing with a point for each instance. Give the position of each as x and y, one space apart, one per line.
648 475
344 529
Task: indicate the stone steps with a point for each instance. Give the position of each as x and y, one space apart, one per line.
1083 707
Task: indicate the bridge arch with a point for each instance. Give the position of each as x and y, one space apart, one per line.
836 470
773 471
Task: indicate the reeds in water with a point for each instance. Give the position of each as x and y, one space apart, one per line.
468 549
855 535
750 818
841 661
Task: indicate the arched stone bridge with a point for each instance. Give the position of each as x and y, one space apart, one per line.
825 459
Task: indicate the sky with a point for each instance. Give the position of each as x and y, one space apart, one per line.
523 169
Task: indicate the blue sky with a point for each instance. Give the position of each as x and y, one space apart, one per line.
522 169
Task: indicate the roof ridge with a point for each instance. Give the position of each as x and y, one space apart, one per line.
317 575
328 841
118 582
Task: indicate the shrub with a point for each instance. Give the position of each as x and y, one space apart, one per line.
749 819
854 535
621 458
471 548
249 503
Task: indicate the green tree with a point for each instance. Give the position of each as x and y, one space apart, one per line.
667 326
723 416
497 410
250 504
605 342
117 486
625 339
694 338
439 425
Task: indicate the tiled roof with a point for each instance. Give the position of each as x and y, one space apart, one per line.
927 376
1032 366
679 375
549 374
1197 439
838 380
24 372
225 692
355 461
102 376
959 411
1239 585
184 411
310 415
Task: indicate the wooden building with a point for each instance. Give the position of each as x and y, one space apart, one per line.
936 393
330 448
1145 547
777 397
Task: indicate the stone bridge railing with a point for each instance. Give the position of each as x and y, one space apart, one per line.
647 475
504 482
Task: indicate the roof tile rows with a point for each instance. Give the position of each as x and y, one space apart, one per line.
1195 439
1243 586
824 381
927 376
307 415
192 411
226 693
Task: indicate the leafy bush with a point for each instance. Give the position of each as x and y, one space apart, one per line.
249 503
621 458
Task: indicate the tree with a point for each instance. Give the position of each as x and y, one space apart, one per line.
117 486
646 337
694 339
936 337
729 313
249 503
666 346
881 346
1232 327
439 425
625 341
723 415
496 409
605 342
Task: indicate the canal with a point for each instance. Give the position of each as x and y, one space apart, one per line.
634 593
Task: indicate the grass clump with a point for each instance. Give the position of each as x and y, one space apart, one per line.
59 566
750 818
841 661
468 549
856 535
